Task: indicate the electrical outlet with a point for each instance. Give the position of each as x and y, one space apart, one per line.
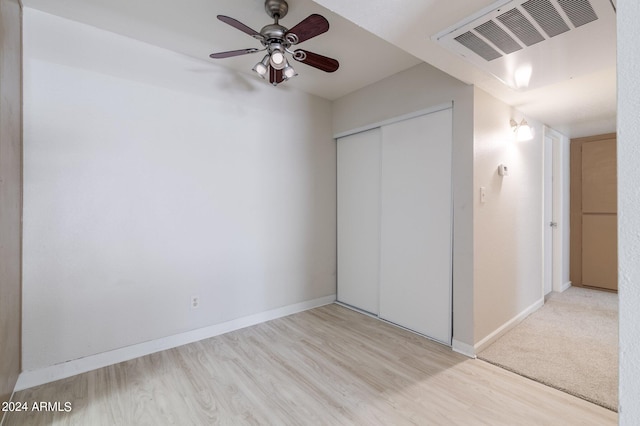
195 302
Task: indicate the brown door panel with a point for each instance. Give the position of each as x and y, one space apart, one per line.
600 251
593 224
599 180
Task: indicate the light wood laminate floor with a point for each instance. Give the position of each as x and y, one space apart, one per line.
329 366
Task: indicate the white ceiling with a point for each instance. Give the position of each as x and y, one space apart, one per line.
190 27
372 39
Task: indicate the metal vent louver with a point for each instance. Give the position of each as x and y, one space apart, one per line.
496 35
528 44
520 24
475 43
543 12
579 11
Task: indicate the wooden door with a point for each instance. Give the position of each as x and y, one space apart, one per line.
594 243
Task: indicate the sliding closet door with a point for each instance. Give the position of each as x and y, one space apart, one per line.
359 219
415 259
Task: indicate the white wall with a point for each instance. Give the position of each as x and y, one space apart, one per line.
628 208
508 226
417 88
151 177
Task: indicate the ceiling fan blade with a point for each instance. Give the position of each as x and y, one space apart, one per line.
310 27
232 53
317 61
275 76
240 26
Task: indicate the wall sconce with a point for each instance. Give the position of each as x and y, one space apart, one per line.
522 130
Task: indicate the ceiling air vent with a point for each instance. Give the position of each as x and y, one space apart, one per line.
543 12
579 11
516 22
479 46
507 33
496 35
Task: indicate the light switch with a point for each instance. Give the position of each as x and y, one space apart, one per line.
483 195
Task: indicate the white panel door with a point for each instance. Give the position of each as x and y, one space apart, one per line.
548 215
359 220
415 259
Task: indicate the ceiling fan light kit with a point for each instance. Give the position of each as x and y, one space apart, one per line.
262 67
277 41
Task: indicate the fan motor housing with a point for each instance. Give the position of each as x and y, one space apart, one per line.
273 32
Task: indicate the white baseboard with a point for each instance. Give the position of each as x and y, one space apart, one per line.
565 286
484 343
28 379
463 348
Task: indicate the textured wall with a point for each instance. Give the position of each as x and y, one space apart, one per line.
508 225
151 177
629 208
10 193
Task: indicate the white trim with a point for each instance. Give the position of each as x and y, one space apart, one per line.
463 348
52 373
548 255
553 133
560 202
414 114
466 21
565 287
499 332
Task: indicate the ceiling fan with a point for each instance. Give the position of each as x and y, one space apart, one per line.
277 42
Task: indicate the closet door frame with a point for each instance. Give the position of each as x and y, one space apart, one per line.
379 125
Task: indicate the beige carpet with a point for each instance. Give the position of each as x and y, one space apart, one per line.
571 344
